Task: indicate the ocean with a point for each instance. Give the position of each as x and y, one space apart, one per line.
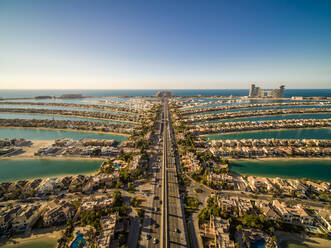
317 169
188 92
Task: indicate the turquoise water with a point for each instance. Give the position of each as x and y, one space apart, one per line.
317 169
41 134
79 237
19 169
183 92
27 106
299 133
213 103
37 243
56 117
258 244
265 108
274 117
87 101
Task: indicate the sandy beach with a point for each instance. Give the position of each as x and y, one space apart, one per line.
28 152
279 158
34 240
79 116
70 130
262 130
286 239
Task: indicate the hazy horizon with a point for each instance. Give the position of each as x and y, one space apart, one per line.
165 45
168 89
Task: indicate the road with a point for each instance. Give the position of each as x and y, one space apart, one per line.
173 229
150 234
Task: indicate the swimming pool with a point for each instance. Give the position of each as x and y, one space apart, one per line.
79 240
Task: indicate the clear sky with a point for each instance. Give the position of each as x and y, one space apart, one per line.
218 44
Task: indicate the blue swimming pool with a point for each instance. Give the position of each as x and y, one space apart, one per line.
79 237
258 243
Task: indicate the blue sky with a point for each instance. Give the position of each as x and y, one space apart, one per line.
164 44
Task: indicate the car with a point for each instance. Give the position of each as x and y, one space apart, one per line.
155 241
148 237
177 230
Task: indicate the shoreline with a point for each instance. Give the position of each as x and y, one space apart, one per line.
279 158
28 152
88 106
60 175
210 112
301 239
274 172
69 130
264 130
237 118
51 158
78 116
21 240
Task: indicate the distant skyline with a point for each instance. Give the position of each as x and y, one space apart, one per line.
182 44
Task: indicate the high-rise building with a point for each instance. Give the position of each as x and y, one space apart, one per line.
255 91
258 92
164 94
278 93
252 90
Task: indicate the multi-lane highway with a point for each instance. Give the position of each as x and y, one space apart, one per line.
164 219
174 233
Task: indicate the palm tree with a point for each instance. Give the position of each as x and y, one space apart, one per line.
80 243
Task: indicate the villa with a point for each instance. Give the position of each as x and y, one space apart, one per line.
58 212
218 230
93 203
294 214
25 217
108 225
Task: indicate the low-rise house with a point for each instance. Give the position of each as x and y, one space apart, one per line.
77 182
218 230
90 204
324 218
221 179
25 217
191 162
101 180
318 187
268 211
47 185
257 182
58 212
138 162
6 217
234 205
293 214
33 184
108 225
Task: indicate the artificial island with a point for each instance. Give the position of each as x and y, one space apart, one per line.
165 170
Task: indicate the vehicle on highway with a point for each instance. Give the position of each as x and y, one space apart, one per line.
148 237
177 230
155 241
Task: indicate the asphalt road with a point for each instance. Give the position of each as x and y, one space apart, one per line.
151 234
163 224
176 229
